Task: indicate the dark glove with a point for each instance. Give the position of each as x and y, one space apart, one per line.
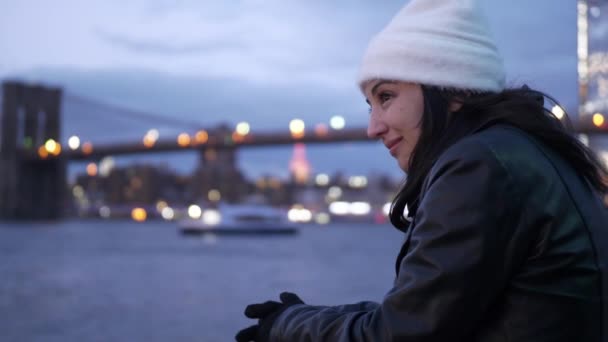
266 313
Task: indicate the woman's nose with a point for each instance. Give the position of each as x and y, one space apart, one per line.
375 128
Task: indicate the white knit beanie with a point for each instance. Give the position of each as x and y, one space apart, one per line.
443 43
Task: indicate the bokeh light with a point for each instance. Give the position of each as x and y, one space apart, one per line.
242 128
201 137
598 120
297 127
87 148
92 169
183 140
337 122
139 214
74 142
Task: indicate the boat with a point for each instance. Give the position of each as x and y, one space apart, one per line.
239 219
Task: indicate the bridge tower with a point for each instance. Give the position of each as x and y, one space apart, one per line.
30 188
218 170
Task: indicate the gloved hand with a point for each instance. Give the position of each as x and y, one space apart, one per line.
266 313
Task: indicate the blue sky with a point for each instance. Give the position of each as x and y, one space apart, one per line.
262 61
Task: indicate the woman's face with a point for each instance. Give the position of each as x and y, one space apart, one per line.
396 110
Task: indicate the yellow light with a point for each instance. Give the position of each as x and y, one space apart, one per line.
139 214
74 142
337 122
242 128
92 170
42 152
50 145
598 120
297 127
558 111
149 141
160 205
201 137
214 195
183 140
87 148
150 138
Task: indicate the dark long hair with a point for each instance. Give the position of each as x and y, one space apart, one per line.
519 107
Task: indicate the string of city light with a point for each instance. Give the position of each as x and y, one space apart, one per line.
242 130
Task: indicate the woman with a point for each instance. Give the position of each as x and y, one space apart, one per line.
507 238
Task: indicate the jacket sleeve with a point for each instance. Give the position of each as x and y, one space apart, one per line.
464 245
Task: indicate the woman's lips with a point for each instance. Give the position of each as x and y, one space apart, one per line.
393 146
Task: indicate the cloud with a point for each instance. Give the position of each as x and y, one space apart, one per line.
262 41
163 47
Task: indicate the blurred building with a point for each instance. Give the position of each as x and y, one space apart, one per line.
136 184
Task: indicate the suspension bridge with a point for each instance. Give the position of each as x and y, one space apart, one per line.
35 149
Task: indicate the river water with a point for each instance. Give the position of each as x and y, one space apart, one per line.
124 281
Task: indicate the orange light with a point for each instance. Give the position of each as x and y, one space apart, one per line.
297 135
183 140
598 120
201 137
42 152
87 148
237 138
321 130
149 141
57 150
92 170
139 214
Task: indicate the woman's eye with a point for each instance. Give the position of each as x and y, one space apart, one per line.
384 97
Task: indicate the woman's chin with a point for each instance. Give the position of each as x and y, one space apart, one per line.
403 164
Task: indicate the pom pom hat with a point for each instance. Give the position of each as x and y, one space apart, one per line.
443 43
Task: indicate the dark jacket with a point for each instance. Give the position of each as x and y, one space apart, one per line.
508 244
